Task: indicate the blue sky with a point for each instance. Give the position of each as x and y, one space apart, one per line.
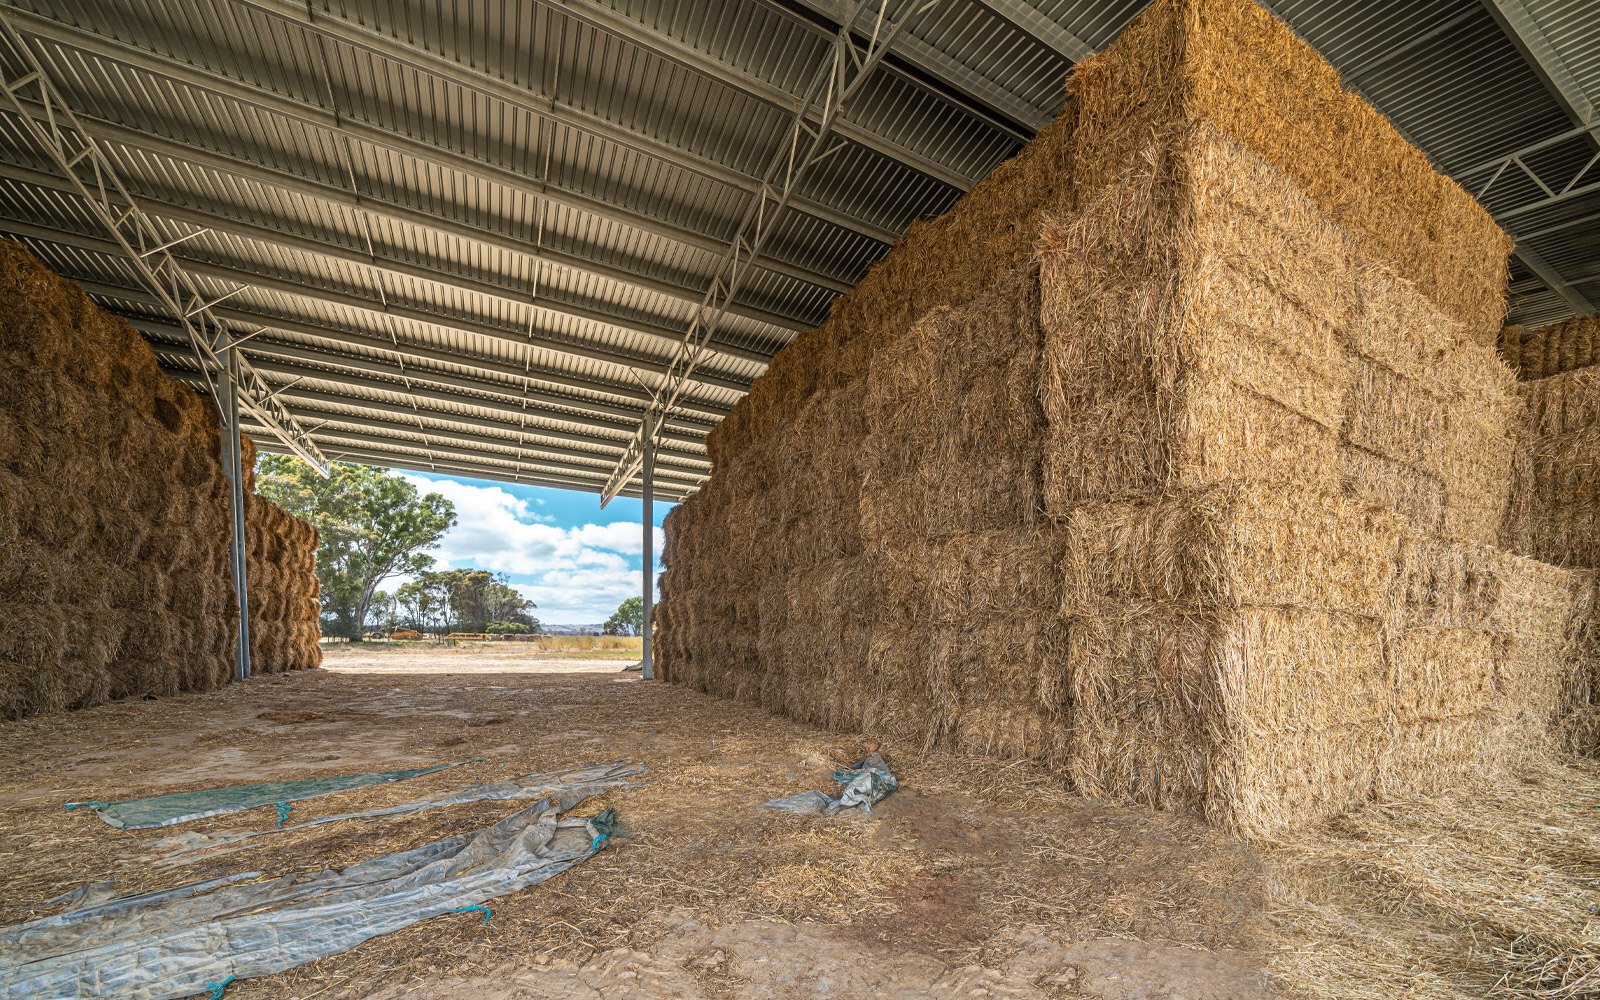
576 561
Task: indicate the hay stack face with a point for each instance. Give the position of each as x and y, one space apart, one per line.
114 524
1199 502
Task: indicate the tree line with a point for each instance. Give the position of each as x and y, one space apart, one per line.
375 526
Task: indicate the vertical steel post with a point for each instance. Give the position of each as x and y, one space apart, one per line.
649 538
233 466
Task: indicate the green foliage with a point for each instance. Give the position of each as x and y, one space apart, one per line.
465 600
508 628
374 525
629 619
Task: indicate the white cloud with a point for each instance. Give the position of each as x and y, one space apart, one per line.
577 574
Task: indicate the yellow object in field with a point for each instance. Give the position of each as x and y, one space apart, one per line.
467 635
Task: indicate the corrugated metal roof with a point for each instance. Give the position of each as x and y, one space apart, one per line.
472 234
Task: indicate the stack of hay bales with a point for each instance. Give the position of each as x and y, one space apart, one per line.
1556 494
114 524
1554 513
113 514
281 584
281 580
1193 492
796 577
1551 350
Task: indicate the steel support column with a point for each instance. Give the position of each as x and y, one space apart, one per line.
233 465
649 542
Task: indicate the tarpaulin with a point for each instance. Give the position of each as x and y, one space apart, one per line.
165 810
860 788
186 846
181 941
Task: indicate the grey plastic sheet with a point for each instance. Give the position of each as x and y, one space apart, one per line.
179 942
165 810
186 847
860 788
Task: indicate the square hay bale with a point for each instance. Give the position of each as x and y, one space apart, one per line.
1258 717
1555 488
953 416
975 576
1191 315
1441 674
1230 546
1388 484
953 259
990 685
1232 65
1551 350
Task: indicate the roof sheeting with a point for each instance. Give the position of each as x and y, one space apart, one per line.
500 216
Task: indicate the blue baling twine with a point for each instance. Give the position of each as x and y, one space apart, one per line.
282 809
217 988
468 909
594 845
74 805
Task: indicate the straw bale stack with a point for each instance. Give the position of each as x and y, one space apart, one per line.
1555 495
1267 349
945 261
1233 65
281 583
114 522
113 568
1550 350
1198 503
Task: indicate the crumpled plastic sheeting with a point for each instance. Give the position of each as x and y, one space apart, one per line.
165 810
176 942
867 784
593 777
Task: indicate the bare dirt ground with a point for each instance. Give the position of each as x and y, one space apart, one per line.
981 877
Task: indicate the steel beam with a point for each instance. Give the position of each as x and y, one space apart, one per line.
239 548
504 474
1519 25
324 419
318 403
990 96
347 300
377 208
464 469
404 353
1031 21
376 262
330 25
507 401
647 489
58 132
613 22
333 438
838 79
1550 276
383 138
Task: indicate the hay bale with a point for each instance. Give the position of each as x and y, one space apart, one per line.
1256 717
1177 353
954 419
1231 546
1555 488
1233 65
1551 350
108 489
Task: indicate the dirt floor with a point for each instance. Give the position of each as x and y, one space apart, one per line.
980 878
